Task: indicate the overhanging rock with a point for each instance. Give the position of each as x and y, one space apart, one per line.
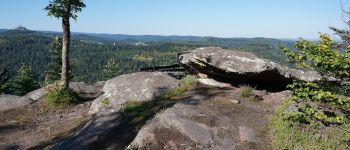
241 67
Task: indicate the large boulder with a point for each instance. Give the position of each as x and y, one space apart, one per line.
237 66
140 86
11 101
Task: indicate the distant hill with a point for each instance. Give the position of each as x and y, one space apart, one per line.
132 52
3 30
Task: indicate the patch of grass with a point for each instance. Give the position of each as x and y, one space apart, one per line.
105 102
139 110
132 147
247 91
185 83
23 119
287 134
175 92
61 97
189 81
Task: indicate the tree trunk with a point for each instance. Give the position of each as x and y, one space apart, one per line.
65 52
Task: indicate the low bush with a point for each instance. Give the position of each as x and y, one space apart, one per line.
188 81
290 133
60 97
247 91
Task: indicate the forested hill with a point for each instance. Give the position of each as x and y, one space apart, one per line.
90 52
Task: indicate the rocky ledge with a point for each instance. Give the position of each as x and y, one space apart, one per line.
241 67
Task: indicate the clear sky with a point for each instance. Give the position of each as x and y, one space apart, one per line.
221 18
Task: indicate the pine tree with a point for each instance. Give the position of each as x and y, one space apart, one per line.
65 9
111 69
54 67
344 34
24 81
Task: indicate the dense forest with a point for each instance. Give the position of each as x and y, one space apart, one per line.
91 52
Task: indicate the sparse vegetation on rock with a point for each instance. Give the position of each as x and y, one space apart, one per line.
105 102
60 97
247 91
185 83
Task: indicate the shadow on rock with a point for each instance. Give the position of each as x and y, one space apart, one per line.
117 130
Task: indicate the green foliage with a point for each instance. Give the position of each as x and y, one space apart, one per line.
246 91
4 78
23 82
64 8
321 56
142 58
311 115
110 70
324 57
132 147
185 83
60 97
105 102
188 81
289 133
87 54
54 67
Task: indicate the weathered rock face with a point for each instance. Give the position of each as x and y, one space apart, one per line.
11 101
99 86
177 122
208 119
84 90
237 66
140 86
36 94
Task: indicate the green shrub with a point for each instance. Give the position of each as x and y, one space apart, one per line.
132 147
325 57
247 91
188 81
288 132
62 97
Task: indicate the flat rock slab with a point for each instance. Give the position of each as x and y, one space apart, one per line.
11 101
212 82
36 94
247 135
238 66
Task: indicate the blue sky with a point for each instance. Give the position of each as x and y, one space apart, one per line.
221 18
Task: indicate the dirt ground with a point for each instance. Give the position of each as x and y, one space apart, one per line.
37 124
26 127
